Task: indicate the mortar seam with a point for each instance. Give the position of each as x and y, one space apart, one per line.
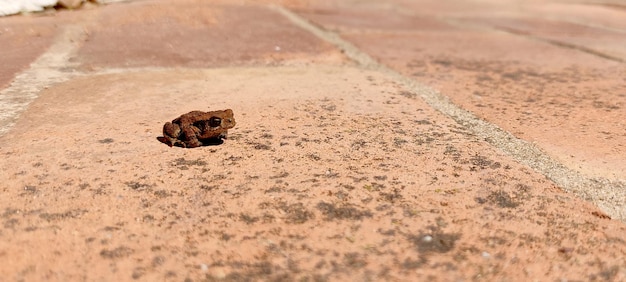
46 70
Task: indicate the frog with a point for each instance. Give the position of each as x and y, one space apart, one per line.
198 128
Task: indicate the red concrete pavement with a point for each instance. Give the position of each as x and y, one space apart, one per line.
340 168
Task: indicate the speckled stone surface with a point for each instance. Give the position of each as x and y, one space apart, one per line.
336 170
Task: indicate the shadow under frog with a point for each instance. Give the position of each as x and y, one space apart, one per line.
197 128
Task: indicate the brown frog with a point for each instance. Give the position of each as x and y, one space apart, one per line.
198 128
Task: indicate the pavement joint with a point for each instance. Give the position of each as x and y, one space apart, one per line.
563 44
351 51
558 43
47 70
608 195
596 26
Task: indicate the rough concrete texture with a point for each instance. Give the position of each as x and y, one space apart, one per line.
339 169
526 86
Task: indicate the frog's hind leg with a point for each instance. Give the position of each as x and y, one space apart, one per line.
171 130
171 133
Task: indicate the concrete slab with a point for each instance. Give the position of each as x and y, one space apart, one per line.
332 173
567 101
196 34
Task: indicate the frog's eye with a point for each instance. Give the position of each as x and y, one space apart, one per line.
215 122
